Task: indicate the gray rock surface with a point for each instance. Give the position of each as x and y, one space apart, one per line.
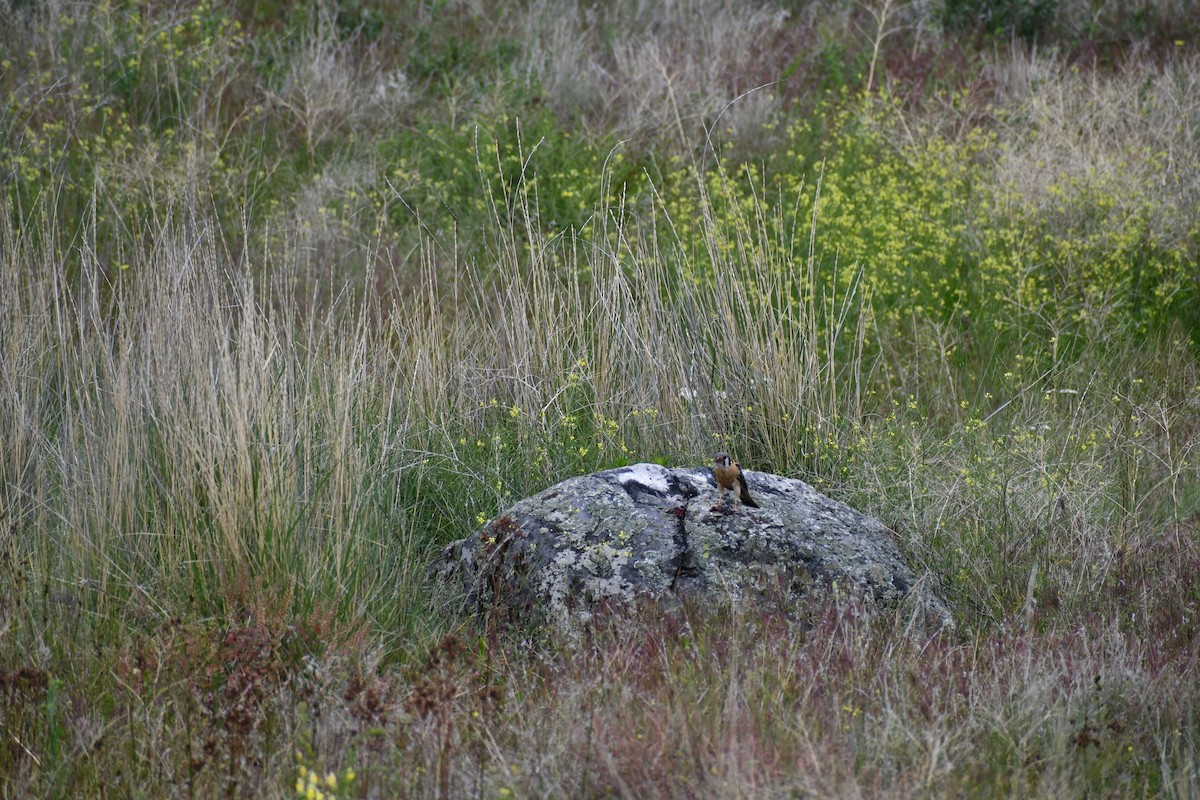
647 531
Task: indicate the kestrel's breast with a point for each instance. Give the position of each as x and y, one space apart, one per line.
726 477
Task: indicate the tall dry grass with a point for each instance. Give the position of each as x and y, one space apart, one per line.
1132 135
175 421
171 430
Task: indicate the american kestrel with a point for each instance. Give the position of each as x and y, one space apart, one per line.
729 477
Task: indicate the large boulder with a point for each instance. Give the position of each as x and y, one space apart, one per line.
646 531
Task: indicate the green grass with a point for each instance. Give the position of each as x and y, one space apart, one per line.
289 302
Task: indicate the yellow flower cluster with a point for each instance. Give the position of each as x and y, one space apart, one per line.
102 100
313 785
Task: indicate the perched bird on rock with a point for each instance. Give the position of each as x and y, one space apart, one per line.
729 477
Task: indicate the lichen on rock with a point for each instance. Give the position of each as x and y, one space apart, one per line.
647 531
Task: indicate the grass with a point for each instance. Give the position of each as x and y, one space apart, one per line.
289 302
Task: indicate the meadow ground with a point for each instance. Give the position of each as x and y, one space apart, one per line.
290 296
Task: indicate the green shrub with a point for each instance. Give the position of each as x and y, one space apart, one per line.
516 169
1028 19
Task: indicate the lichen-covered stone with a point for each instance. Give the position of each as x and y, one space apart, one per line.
609 538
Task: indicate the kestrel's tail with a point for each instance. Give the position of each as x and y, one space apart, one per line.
746 498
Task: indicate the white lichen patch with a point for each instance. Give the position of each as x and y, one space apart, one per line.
554 583
651 570
652 476
604 560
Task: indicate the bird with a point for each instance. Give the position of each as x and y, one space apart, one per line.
729 477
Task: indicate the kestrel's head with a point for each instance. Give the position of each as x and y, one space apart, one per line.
722 459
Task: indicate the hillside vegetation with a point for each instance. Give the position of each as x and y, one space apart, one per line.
293 295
